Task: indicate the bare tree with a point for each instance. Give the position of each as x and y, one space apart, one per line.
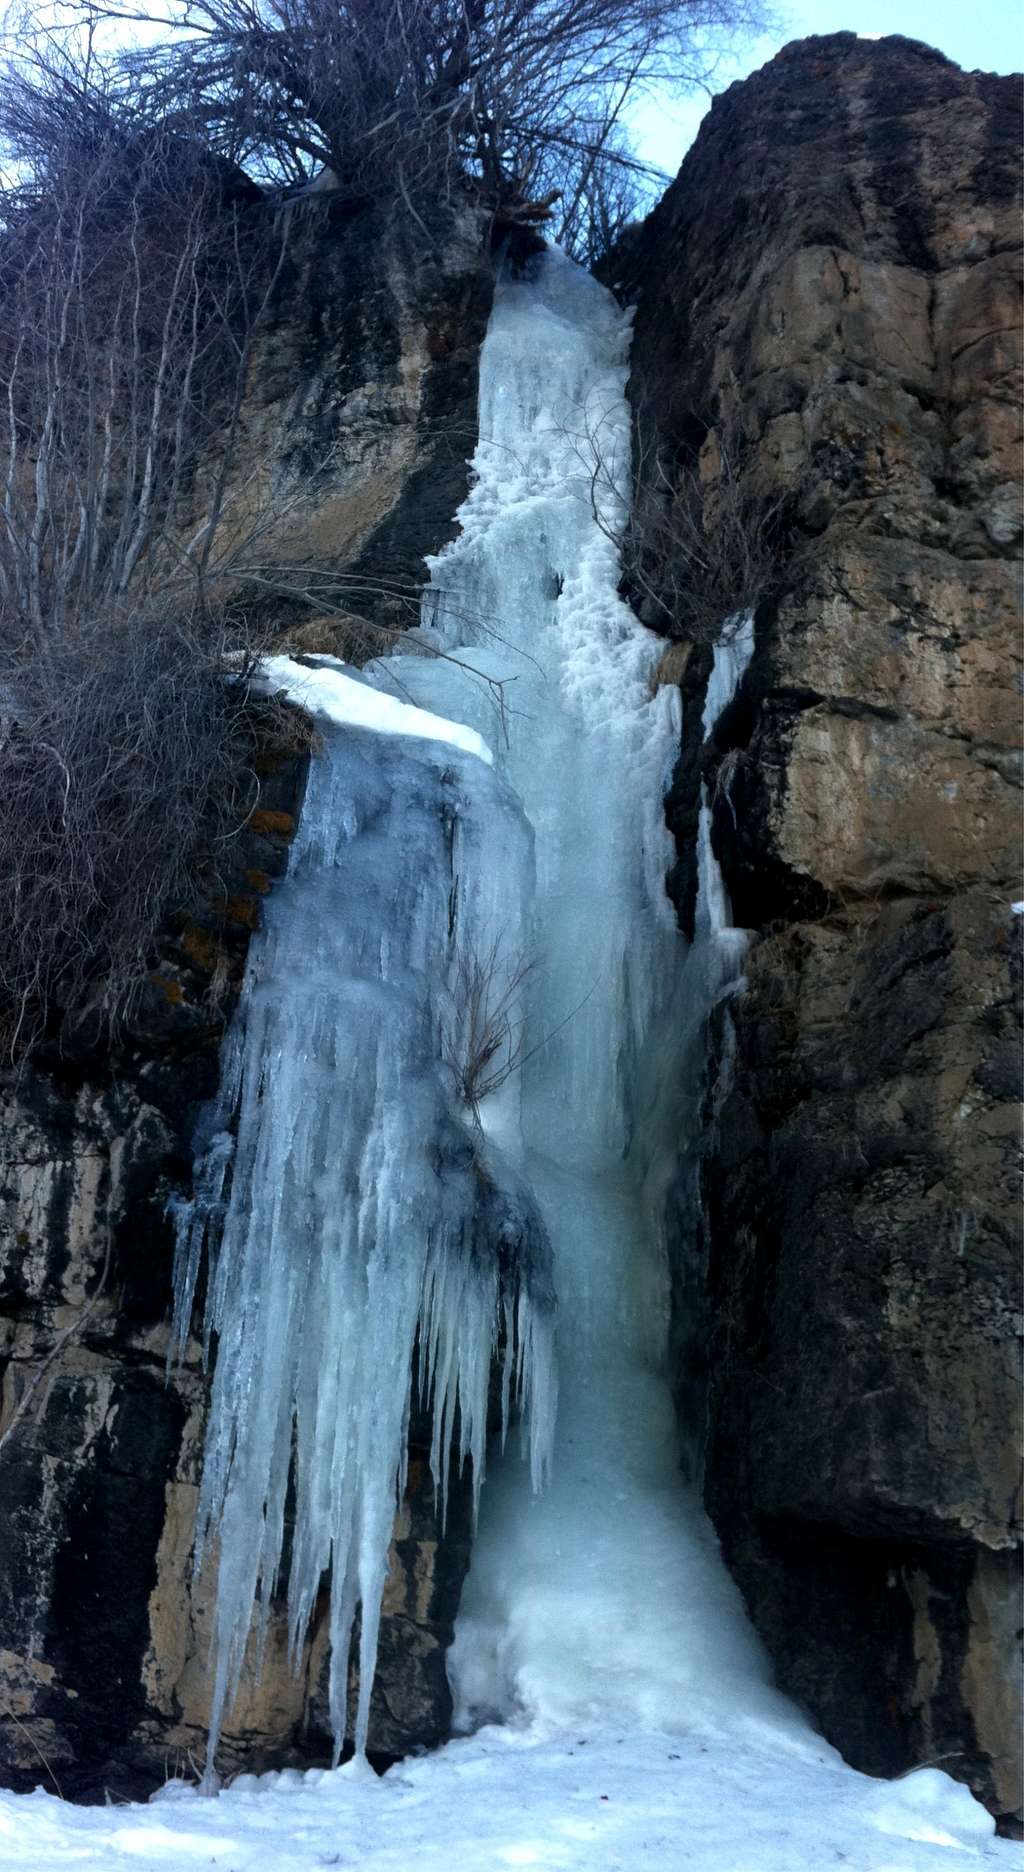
129 290
408 99
601 194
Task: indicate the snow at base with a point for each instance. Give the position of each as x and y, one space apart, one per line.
507 1798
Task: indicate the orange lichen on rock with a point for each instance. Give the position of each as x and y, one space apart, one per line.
170 989
201 947
242 909
269 819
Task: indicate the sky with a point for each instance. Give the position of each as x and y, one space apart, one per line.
981 35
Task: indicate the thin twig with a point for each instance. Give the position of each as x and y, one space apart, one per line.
30 1738
60 1344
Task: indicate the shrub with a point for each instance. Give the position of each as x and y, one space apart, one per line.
703 542
483 1032
131 280
699 542
121 746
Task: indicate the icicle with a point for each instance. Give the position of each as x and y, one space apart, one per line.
338 1186
730 658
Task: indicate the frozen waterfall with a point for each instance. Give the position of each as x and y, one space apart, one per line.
603 1598
339 1180
353 1212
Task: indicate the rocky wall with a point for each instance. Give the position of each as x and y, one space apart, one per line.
359 417
830 291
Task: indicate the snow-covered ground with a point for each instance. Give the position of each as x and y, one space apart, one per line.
508 1798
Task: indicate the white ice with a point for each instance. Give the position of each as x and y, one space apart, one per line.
603 1597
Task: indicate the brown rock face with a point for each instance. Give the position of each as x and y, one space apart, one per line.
358 422
834 279
361 414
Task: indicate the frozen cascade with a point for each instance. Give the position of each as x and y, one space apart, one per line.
354 1207
351 1208
604 1598
597 1613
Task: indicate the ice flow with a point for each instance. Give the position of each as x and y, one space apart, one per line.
603 1598
353 1213
365 1189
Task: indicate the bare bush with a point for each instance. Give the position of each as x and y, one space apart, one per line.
131 276
703 542
483 1028
482 1037
127 300
699 542
120 752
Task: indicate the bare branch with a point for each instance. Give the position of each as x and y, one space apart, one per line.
698 542
412 100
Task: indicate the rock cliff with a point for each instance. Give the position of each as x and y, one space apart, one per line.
358 421
831 290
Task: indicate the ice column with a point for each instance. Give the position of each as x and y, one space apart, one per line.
603 1600
352 1209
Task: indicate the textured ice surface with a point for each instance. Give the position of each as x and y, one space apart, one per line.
604 1597
351 1205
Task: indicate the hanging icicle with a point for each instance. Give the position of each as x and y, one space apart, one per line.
346 1200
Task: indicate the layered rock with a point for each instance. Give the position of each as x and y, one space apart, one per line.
357 425
831 291
350 457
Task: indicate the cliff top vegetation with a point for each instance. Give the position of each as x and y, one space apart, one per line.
140 243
